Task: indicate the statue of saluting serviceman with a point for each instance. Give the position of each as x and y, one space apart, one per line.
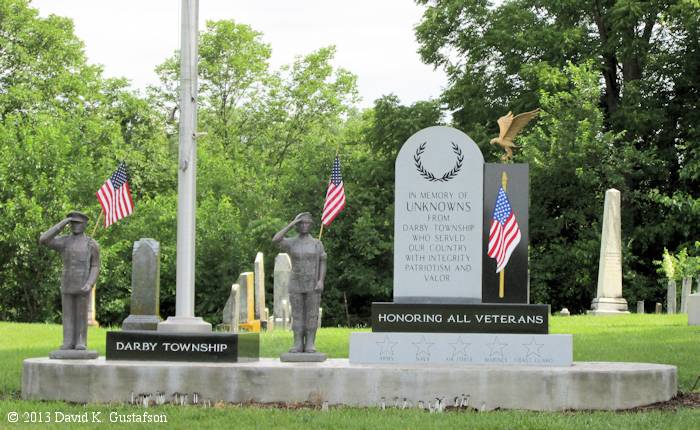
305 286
81 266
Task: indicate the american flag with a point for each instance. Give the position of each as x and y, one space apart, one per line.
115 197
335 195
505 233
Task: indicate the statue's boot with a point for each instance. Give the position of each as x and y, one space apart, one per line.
310 341
298 342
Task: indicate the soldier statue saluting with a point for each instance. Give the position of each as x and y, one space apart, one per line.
305 286
81 266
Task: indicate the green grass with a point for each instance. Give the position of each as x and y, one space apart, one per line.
635 338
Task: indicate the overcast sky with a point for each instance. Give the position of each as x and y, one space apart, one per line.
374 38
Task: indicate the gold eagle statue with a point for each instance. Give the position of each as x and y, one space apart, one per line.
509 127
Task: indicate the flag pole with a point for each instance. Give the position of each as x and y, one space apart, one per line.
97 223
501 284
337 151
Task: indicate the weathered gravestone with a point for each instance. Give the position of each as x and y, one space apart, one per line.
685 292
640 306
671 299
259 270
283 270
694 309
232 309
145 286
609 300
246 281
438 218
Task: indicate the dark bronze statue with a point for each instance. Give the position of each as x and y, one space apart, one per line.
81 266
306 281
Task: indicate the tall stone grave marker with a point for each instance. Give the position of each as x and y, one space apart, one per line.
438 218
232 309
246 282
671 298
609 300
685 292
283 270
259 270
145 286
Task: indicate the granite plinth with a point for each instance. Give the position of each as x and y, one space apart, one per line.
73 354
428 349
303 357
582 386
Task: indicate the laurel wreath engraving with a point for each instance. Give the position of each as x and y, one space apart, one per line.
428 174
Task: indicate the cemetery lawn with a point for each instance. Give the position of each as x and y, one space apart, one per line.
633 338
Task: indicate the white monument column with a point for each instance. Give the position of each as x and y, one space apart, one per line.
609 300
184 319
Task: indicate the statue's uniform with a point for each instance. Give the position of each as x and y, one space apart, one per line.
306 255
80 255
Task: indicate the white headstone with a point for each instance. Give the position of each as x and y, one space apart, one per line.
232 309
685 292
671 299
438 218
694 309
283 270
259 270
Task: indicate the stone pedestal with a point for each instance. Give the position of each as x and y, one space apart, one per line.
145 287
609 300
73 354
608 306
694 309
585 386
461 348
303 357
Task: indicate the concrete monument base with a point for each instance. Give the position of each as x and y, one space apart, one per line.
73 354
603 386
184 325
303 357
141 322
608 306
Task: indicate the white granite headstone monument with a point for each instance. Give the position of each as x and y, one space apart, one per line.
438 218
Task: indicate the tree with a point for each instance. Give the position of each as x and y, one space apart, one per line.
645 54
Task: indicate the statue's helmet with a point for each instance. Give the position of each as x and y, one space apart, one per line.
76 216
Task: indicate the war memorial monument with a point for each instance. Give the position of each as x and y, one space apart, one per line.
460 321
